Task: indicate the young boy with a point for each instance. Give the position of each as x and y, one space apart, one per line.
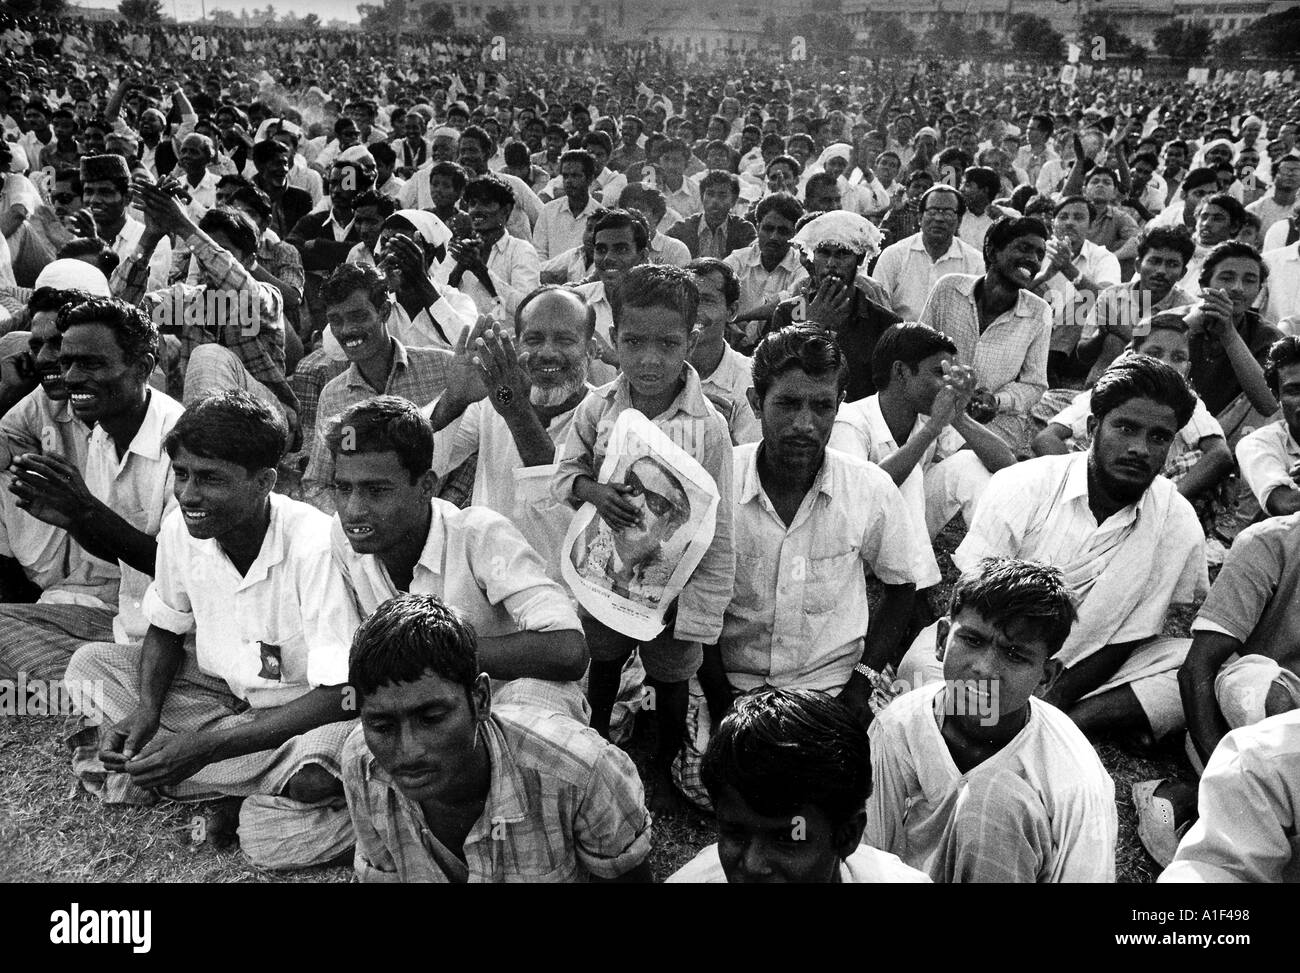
654 333
789 773
975 780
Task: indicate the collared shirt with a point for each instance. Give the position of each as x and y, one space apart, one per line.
512 267
593 292
474 560
521 494
1094 262
1247 798
666 250
1112 230
1032 163
861 431
1038 511
713 240
685 200
692 422
758 286
558 229
1212 373
732 380
562 805
908 274
417 374
1266 458
232 309
799 616
273 633
917 790
1010 357
864 865
1283 283
573 263
160 263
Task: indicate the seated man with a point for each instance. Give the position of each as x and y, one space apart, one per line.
238 689
444 786
392 535
1128 544
789 774
1246 831
916 429
112 507
1269 457
1004 788
361 315
725 374
835 247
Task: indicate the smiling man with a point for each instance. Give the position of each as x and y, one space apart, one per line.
244 576
445 785
490 266
113 510
105 185
1126 542
789 773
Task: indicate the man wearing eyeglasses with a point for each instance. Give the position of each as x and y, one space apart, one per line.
909 268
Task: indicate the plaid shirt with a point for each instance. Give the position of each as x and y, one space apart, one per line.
196 314
308 380
1010 356
562 805
417 374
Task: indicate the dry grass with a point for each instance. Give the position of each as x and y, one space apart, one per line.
49 832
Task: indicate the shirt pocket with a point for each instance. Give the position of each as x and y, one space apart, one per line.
273 662
827 579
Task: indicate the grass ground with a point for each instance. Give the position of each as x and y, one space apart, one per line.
51 833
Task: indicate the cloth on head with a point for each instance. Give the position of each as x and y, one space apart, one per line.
358 154
445 132
98 167
840 229
927 130
70 274
433 230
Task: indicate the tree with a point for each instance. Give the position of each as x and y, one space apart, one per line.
311 21
1186 42
383 18
223 18
1099 25
981 42
1230 48
270 13
141 11
502 20
1277 35
889 34
1034 36
440 17
33 8
945 37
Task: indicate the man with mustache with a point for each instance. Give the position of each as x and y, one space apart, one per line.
105 195
770 265
1127 543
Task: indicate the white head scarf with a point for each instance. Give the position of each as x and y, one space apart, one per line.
840 229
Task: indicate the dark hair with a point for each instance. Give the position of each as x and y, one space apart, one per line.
782 749
783 204
657 285
255 199
386 205
1284 351
818 179
806 347
1163 321
599 138
45 299
909 343
517 154
985 178
348 278
73 176
712 265
136 334
382 153
106 258
1227 250
1197 178
407 637
618 219
1004 591
267 149
720 177
231 426
789 161
550 288
488 188
942 188
1102 171
384 424
1142 377
583 158
1045 122
1074 201
651 200
1176 238
1236 212
237 227
476 134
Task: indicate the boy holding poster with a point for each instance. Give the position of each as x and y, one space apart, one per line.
654 333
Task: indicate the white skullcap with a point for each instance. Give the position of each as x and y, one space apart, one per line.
427 224
358 154
445 132
69 274
839 228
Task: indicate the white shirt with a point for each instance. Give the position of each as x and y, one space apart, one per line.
866 864
160 262
917 789
1283 283
1201 425
733 378
558 229
1269 212
594 294
667 250
1275 238
1265 457
293 599
475 561
521 494
799 614
861 431
513 268
907 273
1092 261
759 287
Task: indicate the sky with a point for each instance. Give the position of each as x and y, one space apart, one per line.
325 9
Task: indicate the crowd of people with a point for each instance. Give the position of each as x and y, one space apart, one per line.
313 346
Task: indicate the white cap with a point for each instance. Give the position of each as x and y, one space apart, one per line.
70 274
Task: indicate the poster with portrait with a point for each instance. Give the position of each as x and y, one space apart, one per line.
628 579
